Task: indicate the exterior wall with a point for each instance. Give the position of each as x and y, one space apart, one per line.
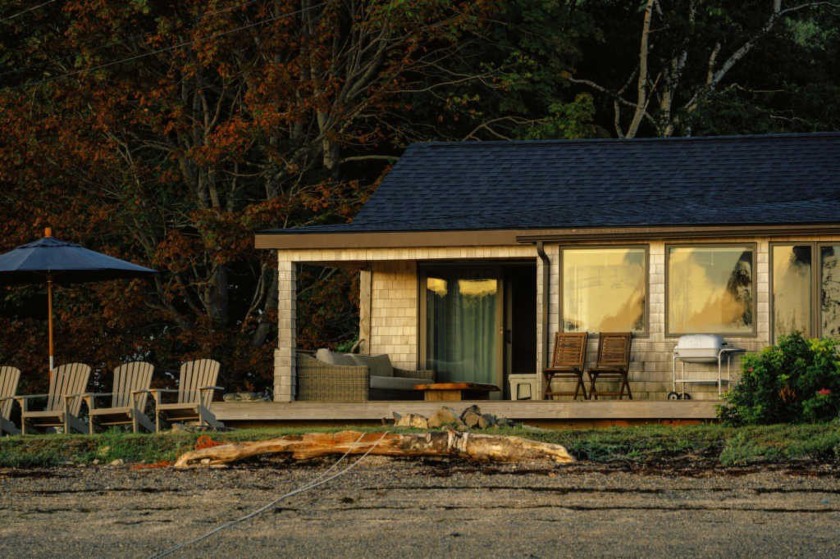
393 312
390 307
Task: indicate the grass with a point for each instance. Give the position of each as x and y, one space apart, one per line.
710 445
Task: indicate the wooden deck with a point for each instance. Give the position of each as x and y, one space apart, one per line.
543 413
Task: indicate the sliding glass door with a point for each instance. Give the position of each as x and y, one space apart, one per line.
463 318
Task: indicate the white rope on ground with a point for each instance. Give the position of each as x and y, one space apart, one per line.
320 480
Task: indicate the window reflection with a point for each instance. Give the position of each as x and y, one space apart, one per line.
710 290
791 290
604 289
830 291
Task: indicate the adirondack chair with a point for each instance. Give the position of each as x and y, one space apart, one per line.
613 364
64 401
567 363
195 392
128 400
9 377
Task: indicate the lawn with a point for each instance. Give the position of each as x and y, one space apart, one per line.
704 445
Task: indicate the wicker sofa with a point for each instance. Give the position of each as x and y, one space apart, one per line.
355 378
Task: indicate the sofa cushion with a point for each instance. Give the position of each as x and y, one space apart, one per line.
334 358
395 383
380 365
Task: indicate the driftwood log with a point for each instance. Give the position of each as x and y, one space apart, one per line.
439 443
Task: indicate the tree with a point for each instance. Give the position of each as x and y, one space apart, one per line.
168 133
686 56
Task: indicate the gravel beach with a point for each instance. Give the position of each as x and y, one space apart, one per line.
420 508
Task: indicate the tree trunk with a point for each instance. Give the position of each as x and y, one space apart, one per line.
436 443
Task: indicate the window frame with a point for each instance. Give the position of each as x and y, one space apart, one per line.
816 285
815 322
562 288
749 245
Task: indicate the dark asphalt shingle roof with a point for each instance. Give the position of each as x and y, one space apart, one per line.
737 180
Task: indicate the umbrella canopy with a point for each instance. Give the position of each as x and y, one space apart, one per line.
52 260
65 262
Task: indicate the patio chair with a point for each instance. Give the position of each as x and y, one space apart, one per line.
64 400
567 363
9 377
195 392
128 399
613 364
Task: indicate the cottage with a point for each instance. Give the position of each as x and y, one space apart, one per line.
474 254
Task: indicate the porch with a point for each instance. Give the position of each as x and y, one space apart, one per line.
543 413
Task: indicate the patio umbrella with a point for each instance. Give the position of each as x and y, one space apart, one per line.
56 261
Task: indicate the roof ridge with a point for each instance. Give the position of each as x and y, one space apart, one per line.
658 139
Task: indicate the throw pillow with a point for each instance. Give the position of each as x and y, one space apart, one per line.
380 365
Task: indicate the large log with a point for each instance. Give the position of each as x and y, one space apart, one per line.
439 443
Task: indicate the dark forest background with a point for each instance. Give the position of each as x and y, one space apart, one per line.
168 132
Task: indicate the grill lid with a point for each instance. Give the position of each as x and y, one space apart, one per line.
701 341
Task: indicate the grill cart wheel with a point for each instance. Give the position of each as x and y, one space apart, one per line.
685 396
673 396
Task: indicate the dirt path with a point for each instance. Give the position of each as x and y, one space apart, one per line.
405 509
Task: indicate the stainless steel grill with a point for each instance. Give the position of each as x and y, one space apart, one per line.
701 348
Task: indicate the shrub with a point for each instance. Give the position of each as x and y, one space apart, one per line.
796 380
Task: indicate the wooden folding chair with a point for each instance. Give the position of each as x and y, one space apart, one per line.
195 392
9 377
128 399
567 363
64 401
613 364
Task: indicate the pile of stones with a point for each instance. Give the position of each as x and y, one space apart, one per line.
470 418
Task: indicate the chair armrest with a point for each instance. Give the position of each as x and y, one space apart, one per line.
157 392
425 374
212 388
23 401
89 398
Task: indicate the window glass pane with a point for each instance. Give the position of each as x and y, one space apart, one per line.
604 290
462 325
791 290
710 290
830 291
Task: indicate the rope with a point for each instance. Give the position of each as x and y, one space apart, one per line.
320 480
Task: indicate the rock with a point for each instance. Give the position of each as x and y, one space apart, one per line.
445 416
117 462
472 417
412 420
245 397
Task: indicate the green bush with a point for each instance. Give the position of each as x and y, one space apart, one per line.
794 381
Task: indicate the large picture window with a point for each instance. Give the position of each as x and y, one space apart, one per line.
806 289
604 289
710 289
830 291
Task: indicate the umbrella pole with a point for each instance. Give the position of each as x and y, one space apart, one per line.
50 319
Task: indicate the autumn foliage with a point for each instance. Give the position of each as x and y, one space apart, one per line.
167 133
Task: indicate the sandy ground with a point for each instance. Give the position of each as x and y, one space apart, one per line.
400 508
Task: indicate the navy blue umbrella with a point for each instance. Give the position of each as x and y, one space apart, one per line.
55 261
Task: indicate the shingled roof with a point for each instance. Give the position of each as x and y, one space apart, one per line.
733 180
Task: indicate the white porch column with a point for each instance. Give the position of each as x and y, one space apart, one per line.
284 356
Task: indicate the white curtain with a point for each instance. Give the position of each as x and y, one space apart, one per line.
462 326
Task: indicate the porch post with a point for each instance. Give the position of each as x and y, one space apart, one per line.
285 360
365 292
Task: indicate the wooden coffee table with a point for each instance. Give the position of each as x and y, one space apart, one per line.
455 391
